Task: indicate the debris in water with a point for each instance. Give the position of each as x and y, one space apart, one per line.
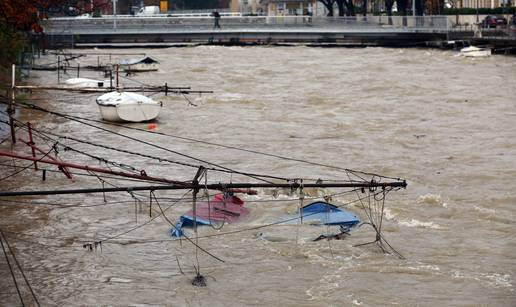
199 281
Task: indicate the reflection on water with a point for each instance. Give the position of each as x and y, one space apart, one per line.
427 116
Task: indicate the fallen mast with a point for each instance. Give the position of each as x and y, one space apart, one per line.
214 186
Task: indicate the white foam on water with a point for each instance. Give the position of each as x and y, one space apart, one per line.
484 210
499 280
495 280
388 214
416 223
432 268
324 288
431 199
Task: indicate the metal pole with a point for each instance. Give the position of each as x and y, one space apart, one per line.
11 107
114 14
215 186
63 169
63 165
195 182
31 144
477 11
58 65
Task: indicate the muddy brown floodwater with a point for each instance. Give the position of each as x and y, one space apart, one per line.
444 123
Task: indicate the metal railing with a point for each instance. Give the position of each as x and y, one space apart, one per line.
292 23
503 31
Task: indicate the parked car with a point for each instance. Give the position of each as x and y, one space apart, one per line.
492 21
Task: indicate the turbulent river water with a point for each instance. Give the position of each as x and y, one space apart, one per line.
444 123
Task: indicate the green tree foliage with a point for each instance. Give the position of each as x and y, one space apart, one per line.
17 19
11 44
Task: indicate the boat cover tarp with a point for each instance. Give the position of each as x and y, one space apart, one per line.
323 213
221 208
116 98
144 60
85 82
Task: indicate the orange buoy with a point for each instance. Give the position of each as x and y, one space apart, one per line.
152 126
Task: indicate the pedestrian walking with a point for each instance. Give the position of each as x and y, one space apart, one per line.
216 15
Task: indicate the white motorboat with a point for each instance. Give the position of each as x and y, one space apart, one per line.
85 82
473 51
142 64
126 106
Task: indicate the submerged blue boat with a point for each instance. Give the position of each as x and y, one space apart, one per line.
222 208
323 213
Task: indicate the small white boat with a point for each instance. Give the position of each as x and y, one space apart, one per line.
85 82
129 107
143 64
473 51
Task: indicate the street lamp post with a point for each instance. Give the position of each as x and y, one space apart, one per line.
114 14
477 11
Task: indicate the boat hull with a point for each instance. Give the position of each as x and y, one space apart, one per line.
473 52
137 112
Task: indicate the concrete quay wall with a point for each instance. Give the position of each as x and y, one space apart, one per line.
235 37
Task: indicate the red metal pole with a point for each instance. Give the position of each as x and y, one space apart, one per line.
63 164
33 147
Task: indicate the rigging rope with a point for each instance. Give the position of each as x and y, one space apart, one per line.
225 170
12 273
72 117
220 167
19 268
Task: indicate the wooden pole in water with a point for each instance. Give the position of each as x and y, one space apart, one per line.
195 182
117 76
10 110
58 67
31 143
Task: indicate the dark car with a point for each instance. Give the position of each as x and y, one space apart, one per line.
492 21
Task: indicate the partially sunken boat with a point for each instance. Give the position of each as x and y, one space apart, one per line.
87 83
323 213
129 107
142 64
222 208
473 51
